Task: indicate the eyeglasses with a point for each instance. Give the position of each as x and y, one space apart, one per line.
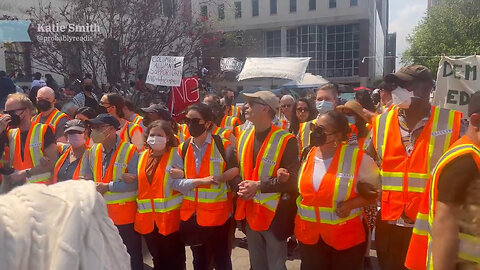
13 111
284 106
191 120
302 110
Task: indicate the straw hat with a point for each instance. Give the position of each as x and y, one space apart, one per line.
352 106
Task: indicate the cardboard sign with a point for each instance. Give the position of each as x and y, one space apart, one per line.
165 70
231 64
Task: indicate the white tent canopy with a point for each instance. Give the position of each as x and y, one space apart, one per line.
309 80
290 68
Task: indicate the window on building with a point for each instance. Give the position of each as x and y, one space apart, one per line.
221 12
254 8
292 42
167 7
204 12
238 10
342 50
332 3
353 3
312 4
273 42
273 7
311 43
293 5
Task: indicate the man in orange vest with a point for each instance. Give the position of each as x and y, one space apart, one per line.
31 150
112 164
407 143
228 98
268 158
49 115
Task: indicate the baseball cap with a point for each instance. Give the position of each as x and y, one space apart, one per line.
266 96
104 118
474 105
353 106
409 73
74 125
155 108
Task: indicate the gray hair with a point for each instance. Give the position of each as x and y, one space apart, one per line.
285 97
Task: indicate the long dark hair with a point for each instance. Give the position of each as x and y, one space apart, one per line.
340 123
312 114
167 128
205 111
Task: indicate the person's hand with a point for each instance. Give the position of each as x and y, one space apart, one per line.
367 190
176 173
370 115
248 189
4 120
102 188
18 177
46 162
343 209
283 175
129 178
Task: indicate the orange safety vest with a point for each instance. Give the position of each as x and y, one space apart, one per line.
316 215
52 120
183 133
157 203
304 134
404 177
229 122
33 151
222 132
61 160
121 206
421 236
235 111
128 130
284 124
211 203
137 119
260 210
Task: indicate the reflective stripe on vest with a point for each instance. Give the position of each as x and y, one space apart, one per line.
344 186
469 246
222 132
393 181
137 119
228 122
304 134
119 167
52 119
421 225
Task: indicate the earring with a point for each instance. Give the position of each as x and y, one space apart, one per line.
335 144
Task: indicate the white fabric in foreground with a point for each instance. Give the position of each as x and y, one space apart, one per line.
62 226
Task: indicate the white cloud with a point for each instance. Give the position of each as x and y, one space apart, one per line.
404 16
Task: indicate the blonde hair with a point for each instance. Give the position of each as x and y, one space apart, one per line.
23 100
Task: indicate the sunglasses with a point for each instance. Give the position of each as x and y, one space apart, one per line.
191 120
13 111
302 110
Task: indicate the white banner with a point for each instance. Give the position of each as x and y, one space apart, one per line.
165 70
457 80
290 68
231 64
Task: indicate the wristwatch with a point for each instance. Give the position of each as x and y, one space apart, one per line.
27 172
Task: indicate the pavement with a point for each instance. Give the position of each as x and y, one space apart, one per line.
240 259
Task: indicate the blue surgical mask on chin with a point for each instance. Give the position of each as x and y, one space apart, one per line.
324 106
351 120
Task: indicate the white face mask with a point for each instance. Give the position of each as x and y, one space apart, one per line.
324 106
402 97
157 143
76 140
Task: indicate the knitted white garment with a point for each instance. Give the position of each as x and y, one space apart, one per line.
62 226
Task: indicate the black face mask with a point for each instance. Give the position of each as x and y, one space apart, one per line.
15 120
228 101
318 137
88 88
44 105
196 129
101 109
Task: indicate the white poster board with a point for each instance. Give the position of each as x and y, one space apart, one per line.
457 80
231 64
290 68
165 71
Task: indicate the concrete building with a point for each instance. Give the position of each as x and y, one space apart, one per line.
346 39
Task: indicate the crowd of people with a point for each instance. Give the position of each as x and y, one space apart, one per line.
313 170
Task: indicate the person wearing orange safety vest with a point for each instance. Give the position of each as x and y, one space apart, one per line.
335 181
31 150
209 163
113 104
130 115
48 114
158 204
266 154
230 122
456 173
72 158
112 164
407 143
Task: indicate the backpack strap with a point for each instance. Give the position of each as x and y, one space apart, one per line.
305 152
184 148
219 144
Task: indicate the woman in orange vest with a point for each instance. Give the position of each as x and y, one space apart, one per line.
70 162
206 210
158 214
335 181
303 111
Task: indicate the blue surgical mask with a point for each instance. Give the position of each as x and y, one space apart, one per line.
324 106
351 120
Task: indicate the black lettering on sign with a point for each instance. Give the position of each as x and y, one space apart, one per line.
458 97
447 66
471 69
452 96
464 98
458 71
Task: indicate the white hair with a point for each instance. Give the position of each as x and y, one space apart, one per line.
286 97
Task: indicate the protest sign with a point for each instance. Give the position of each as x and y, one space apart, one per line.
457 80
231 64
165 71
183 96
290 68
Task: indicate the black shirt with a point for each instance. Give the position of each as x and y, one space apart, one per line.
91 102
48 139
67 169
455 179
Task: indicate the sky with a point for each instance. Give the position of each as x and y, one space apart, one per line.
404 16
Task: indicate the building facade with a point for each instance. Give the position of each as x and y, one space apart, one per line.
346 39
